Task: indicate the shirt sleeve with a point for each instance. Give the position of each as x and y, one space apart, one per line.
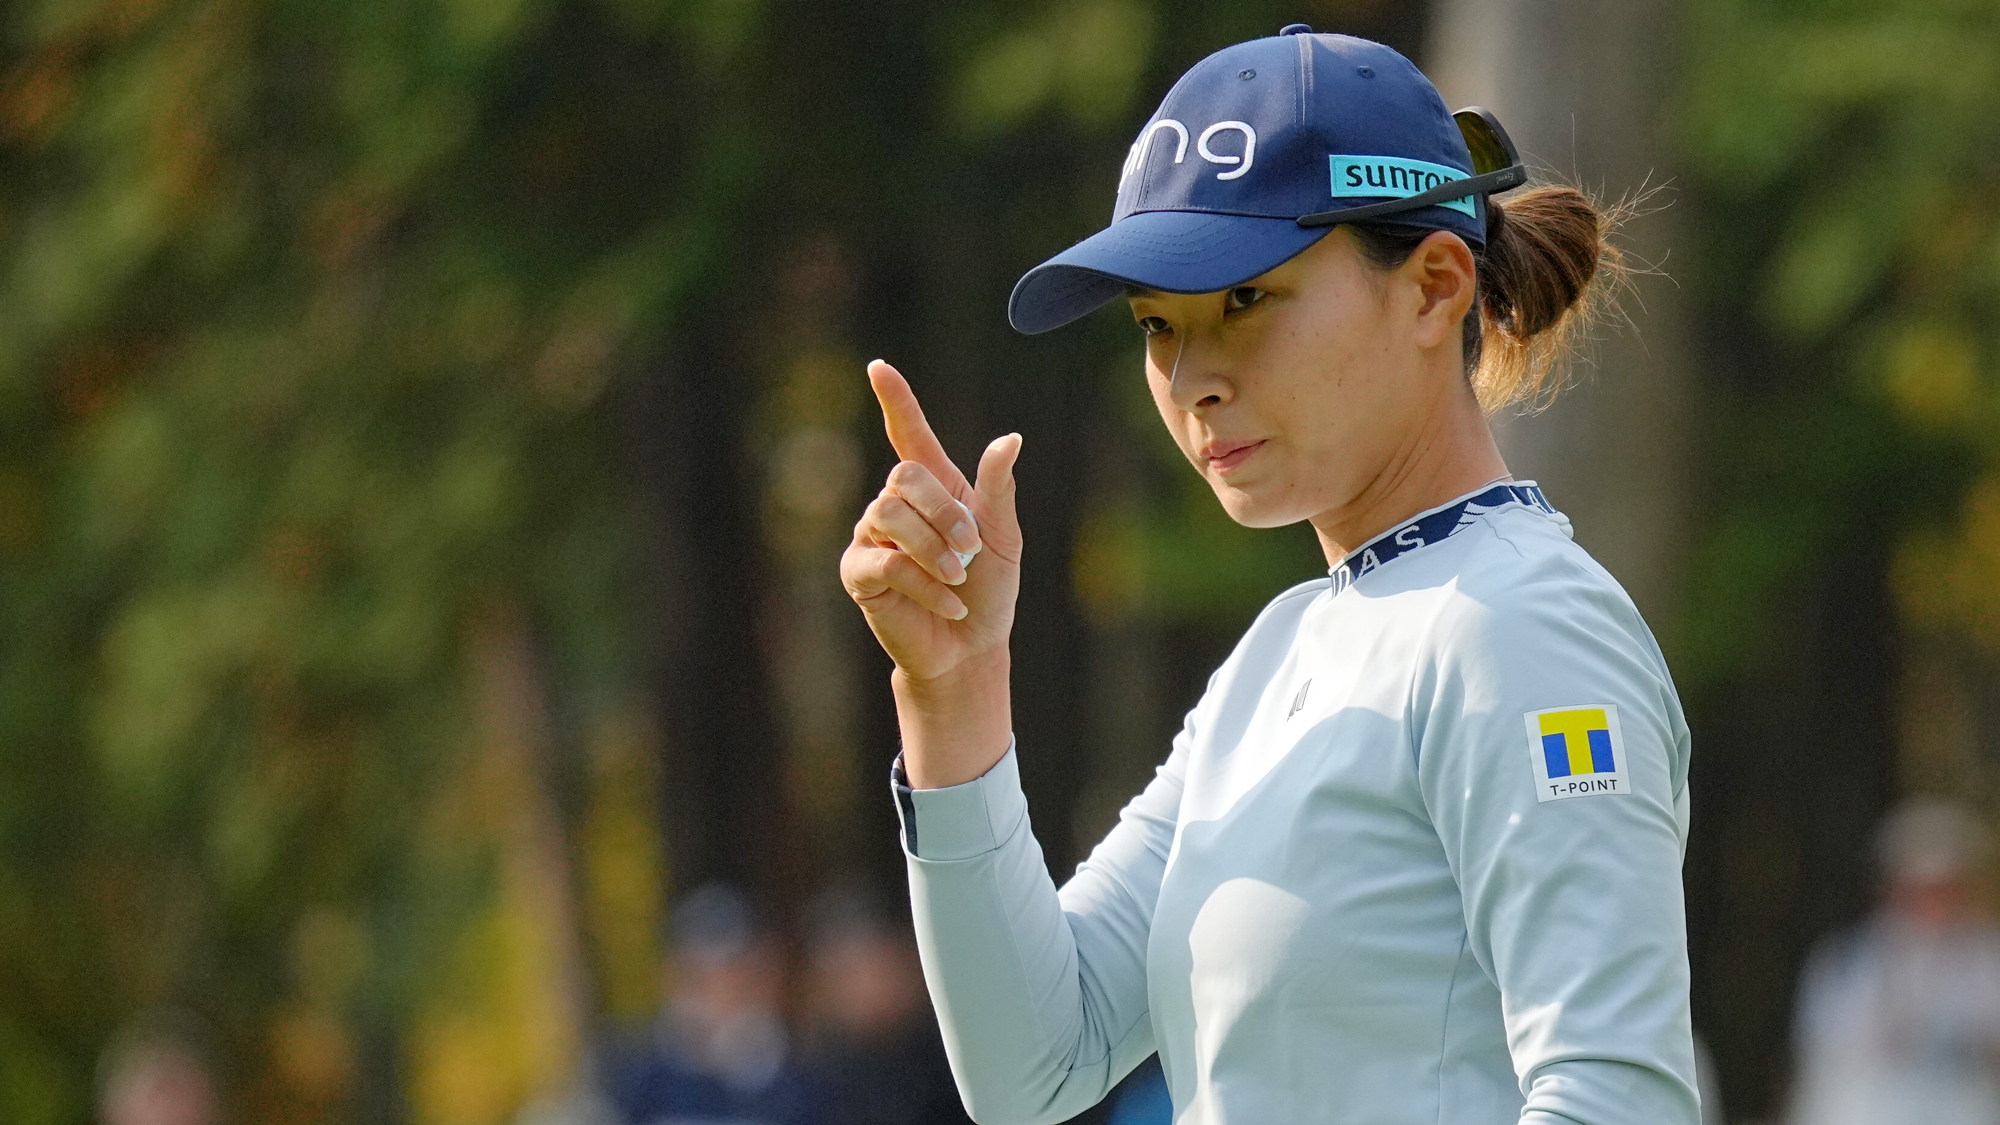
1572 886
1040 993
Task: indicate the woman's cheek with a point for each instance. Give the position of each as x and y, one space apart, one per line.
1186 434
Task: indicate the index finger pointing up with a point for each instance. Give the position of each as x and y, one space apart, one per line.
909 432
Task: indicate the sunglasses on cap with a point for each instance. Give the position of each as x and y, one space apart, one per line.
1496 167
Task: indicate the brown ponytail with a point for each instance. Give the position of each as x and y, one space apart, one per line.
1547 273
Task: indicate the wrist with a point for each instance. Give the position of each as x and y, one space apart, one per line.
966 679
957 725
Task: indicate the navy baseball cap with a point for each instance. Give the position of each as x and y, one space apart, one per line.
1260 150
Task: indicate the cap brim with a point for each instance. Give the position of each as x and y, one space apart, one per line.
1172 251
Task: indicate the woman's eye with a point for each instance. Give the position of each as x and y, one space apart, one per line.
1242 297
1154 325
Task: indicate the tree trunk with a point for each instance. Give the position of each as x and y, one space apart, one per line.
1579 86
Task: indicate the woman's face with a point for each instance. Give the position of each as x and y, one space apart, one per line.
1294 393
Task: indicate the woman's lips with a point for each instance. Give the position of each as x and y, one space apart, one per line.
1223 457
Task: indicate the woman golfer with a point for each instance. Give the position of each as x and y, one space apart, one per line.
1415 857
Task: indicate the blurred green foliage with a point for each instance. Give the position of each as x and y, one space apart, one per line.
303 368
1840 624
1855 148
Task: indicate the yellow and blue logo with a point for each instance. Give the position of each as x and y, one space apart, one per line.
1577 751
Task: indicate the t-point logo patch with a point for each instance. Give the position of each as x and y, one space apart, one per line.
1576 752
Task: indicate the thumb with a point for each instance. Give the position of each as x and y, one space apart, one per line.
995 490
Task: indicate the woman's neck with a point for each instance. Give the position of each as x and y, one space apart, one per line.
1450 454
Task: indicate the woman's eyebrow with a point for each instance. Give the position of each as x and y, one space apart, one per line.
1140 291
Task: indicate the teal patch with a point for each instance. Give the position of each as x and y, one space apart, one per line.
1391 177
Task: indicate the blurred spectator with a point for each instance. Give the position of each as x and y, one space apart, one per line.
1708 1084
1899 1019
873 1034
720 1052
584 1105
1142 1099
156 1072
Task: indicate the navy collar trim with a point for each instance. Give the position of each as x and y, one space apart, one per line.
1435 525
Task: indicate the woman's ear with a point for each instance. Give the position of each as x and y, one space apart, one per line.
1443 270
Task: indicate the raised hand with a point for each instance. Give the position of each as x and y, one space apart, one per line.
945 625
929 613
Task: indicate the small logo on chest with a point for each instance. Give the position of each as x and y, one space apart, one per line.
1299 700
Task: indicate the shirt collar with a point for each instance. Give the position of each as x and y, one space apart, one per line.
1439 523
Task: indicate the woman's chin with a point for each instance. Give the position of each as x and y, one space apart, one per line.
1249 508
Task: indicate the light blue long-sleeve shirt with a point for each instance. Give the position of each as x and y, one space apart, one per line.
1414 858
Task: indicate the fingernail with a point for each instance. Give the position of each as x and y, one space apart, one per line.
954 609
951 568
963 537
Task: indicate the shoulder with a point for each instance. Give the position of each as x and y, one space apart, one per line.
1539 676
1532 624
1525 591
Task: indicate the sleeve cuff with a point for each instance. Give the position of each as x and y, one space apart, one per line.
960 821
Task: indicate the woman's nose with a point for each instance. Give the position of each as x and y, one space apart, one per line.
1194 382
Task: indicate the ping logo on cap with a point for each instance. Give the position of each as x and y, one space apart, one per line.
1136 158
1576 752
1393 177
